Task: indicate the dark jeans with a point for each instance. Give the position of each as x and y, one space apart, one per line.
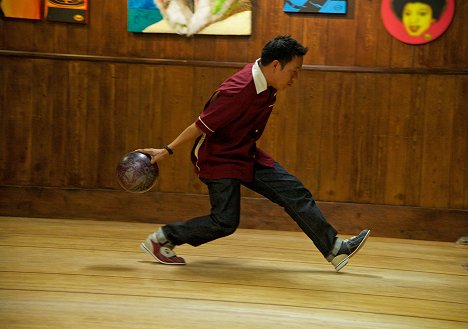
277 185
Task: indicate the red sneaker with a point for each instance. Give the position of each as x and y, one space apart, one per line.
161 253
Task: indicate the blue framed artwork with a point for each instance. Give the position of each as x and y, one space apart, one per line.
316 6
189 17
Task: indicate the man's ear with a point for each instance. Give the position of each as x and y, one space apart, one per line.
276 64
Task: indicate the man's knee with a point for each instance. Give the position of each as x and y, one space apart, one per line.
227 223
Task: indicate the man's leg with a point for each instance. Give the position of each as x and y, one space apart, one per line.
279 186
223 221
286 190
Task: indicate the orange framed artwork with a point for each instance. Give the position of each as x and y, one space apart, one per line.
29 9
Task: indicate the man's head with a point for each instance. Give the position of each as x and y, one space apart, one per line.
281 61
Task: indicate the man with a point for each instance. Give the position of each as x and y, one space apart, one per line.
225 157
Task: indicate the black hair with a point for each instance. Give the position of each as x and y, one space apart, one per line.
282 48
438 6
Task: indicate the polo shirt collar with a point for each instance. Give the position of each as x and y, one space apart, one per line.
258 77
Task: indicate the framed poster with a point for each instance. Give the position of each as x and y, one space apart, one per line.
417 22
189 17
69 11
30 9
316 6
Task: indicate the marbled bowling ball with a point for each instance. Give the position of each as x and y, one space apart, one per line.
136 174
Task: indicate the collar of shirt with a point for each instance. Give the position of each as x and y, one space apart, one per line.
258 77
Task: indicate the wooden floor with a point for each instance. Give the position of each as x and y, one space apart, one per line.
91 274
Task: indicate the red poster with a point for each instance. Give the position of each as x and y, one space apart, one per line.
69 11
417 22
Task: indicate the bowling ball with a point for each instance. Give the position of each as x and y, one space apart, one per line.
136 174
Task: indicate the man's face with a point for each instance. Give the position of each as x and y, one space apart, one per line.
285 76
417 18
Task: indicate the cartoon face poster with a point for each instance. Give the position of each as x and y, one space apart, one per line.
315 6
417 21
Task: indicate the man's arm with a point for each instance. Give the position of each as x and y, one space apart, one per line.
190 133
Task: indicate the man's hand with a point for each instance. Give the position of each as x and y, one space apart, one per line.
155 154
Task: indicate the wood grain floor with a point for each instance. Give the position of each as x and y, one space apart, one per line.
91 274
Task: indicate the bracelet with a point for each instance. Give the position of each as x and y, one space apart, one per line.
169 150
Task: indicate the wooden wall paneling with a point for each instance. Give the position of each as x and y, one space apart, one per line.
19 109
108 106
383 47
117 116
372 42
283 133
311 105
150 91
337 138
380 105
58 41
440 52
42 122
77 116
397 147
106 140
133 111
296 28
369 137
365 138
273 21
77 36
164 50
224 48
3 36
455 50
176 115
4 117
315 39
11 33
93 134
458 184
412 129
258 213
438 125
401 54
182 47
430 55
44 38
61 148
107 28
205 48
342 41
382 100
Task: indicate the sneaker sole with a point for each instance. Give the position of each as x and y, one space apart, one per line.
342 263
145 249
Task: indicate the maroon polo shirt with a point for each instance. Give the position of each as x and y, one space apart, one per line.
232 121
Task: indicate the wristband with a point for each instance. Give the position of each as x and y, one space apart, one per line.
169 150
